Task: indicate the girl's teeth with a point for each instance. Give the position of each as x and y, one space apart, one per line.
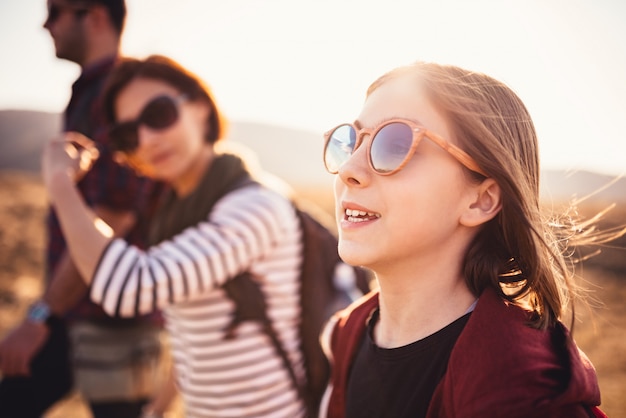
354 215
354 212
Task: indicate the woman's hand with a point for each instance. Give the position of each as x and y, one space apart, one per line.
65 160
72 155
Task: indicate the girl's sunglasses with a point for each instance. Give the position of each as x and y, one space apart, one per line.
392 146
160 113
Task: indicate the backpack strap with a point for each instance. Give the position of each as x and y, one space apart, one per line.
345 339
250 305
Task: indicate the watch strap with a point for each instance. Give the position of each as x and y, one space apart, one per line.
39 312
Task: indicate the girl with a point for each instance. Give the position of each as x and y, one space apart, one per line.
437 192
166 124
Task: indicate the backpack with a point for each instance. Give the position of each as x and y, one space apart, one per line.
327 285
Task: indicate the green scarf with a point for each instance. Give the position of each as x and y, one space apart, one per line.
226 173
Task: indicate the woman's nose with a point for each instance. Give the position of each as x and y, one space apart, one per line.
146 137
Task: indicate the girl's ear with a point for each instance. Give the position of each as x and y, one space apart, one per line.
485 206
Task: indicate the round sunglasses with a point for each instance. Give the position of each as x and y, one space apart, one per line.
160 113
392 145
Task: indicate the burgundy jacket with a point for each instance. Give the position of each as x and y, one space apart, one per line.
499 366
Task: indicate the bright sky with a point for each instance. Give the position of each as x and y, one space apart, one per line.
307 63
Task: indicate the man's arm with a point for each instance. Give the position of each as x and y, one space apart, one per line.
163 398
65 290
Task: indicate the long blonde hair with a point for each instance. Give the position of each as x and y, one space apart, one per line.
519 253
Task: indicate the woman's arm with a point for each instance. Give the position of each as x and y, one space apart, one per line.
86 234
243 227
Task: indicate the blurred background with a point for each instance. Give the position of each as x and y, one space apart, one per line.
284 71
306 64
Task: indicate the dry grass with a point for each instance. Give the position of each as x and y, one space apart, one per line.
599 331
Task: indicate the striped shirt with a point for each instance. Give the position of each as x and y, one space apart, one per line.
250 229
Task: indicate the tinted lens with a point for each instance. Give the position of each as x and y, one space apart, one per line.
160 113
123 137
339 147
390 146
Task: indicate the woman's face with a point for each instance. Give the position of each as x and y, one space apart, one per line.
413 215
167 154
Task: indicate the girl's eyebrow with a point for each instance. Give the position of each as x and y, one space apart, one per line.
358 125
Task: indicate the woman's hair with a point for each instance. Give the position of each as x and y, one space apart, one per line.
157 67
518 253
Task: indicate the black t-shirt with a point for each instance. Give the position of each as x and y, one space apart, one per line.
399 382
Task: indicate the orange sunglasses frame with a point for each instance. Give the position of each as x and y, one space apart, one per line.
419 132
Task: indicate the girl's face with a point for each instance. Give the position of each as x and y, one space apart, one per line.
411 216
171 153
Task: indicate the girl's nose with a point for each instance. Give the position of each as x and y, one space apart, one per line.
355 171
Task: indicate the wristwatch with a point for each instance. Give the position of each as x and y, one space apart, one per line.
39 312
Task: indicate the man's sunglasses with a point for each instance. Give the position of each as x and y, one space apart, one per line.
55 10
391 147
160 113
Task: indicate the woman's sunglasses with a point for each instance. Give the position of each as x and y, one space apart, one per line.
392 146
160 113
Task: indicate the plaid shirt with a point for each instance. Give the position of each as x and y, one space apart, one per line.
106 184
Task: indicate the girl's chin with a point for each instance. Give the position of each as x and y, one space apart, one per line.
352 256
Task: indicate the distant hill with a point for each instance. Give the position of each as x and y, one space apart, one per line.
21 135
557 186
293 154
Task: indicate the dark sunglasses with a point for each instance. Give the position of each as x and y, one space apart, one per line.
55 10
160 113
390 149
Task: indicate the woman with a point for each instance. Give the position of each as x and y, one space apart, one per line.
214 225
437 192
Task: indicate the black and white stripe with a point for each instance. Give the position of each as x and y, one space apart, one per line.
250 229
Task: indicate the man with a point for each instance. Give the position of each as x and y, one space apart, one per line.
113 360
